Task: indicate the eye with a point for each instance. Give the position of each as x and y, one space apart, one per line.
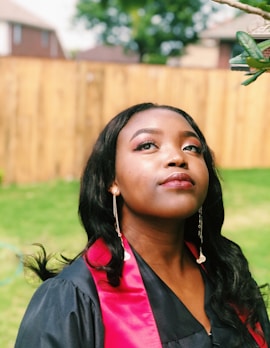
147 145
193 148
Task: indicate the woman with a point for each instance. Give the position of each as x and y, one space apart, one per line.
156 271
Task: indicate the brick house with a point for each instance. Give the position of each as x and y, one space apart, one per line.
24 34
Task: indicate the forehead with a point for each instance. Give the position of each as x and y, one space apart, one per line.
156 118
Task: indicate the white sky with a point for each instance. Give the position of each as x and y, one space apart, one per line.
59 13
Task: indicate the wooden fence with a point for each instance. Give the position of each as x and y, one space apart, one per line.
51 112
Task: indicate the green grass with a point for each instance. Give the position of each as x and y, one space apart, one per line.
47 213
247 216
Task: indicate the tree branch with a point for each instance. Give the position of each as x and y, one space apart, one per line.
245 8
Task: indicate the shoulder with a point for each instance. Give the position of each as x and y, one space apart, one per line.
73 289
63 307
78 276
74 278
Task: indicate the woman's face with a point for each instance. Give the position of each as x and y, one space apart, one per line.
160 170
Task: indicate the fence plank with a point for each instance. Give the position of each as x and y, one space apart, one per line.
52 111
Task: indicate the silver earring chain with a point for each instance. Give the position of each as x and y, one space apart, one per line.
201 257
117 227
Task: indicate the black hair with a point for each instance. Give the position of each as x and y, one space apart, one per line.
226 265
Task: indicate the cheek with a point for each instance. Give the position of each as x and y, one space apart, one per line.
135 184
131 172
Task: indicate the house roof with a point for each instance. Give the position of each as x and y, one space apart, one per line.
12 12
253 24
108 54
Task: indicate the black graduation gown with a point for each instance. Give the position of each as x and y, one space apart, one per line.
65 313
177 326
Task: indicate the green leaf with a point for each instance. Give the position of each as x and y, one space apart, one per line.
241 58
253 78
249 45
263 45
263 4
258 64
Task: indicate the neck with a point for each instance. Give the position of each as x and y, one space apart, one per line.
157 241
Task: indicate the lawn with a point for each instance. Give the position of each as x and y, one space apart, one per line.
247 216
47 214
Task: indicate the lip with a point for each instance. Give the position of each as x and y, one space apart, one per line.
178 180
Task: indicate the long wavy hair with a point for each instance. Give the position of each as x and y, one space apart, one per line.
235 292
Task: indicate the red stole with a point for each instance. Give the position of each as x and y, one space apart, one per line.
126 312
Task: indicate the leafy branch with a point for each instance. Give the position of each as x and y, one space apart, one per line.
247 8
252 56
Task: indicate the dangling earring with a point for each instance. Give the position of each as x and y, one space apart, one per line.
115 192
202 257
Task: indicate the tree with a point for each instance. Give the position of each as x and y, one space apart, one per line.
153 28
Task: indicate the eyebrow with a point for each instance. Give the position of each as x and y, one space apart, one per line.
146 130
185 134
191 134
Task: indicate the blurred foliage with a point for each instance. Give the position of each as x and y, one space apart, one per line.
262 4
159 28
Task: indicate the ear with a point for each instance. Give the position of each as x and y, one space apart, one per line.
114 189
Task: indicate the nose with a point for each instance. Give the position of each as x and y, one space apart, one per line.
176 158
